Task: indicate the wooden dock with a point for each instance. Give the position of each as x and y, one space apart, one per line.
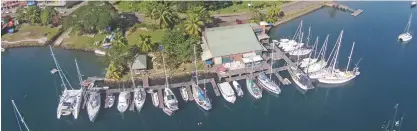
190 93
283 81
145 81
132 104
344 8
106 104
161 98
215 88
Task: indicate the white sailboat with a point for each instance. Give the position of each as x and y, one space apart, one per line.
123 102
335 76
301 80
200 95
238 88
227 92
170 100
139 94
310 59
301 51
20 119
406 36
267 83
93 105
155 99
290 45
184 93
70 99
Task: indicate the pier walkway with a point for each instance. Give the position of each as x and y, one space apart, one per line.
344 8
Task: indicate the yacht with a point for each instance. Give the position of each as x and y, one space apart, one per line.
413 3
316 66
200 95
335 76
238 88
93 105
300 52
184 94
253 89
301 80
227 92
307 62
155 100
123 102
406 36
268 84
139 95
70 99
170 100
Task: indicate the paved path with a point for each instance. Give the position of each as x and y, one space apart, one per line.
40 40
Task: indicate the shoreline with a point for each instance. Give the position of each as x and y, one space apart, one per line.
299 13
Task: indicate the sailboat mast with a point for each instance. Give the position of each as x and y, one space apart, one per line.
350 56
195 65
314 48
57 67
308 36
165 71
407 29
131 76
324 47
272 59
21 118
78 72
298 30
337 51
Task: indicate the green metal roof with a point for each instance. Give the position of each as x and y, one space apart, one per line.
235 39
140 62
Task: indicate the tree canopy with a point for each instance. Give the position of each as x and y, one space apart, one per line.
94 17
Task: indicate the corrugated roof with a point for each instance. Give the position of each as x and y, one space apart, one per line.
228 40
140 62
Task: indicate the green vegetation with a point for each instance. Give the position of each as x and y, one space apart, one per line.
83 42
92 18
31 32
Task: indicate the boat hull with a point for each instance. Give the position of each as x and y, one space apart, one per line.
123 101
78 103
238 88
139 100
227 92
267 84
170 100
184 94
92 109
340 78
204 102
250 84
155 99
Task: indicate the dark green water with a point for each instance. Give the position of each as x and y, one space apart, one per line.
388 76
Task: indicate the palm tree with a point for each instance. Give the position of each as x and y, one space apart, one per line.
145 43
33 13
193 25
201 12
113 72
165 16
274 11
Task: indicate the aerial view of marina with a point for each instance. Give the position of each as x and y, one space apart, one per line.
208 65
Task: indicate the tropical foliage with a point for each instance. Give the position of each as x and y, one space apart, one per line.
273 13
92 18
48 16
145 43
165 16
193 25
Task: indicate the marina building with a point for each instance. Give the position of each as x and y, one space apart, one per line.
140 64
234 47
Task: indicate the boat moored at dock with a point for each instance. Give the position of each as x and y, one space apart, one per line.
139 97
170 100
253 89
93 105
238 88
268 84
155 100
184 94
123 102
406 36
227 92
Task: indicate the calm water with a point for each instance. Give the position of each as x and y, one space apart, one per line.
387 77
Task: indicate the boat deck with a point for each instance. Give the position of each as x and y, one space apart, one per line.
189 92
161 98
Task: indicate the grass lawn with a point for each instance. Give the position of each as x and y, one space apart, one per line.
30 32
156 35
81 42
233 9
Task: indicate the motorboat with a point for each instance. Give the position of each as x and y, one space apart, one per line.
238 88
123 102
93 105
111 99
227 92
253 89
268 84
139 97
184 93
155 99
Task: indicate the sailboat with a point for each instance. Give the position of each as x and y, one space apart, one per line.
253 89
139 94
320 61
70 99
266 82
170 100
336 76
394 124
93 105
16 111
124 100
302 50
300 79
200 95
406 36
110 99
413 3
